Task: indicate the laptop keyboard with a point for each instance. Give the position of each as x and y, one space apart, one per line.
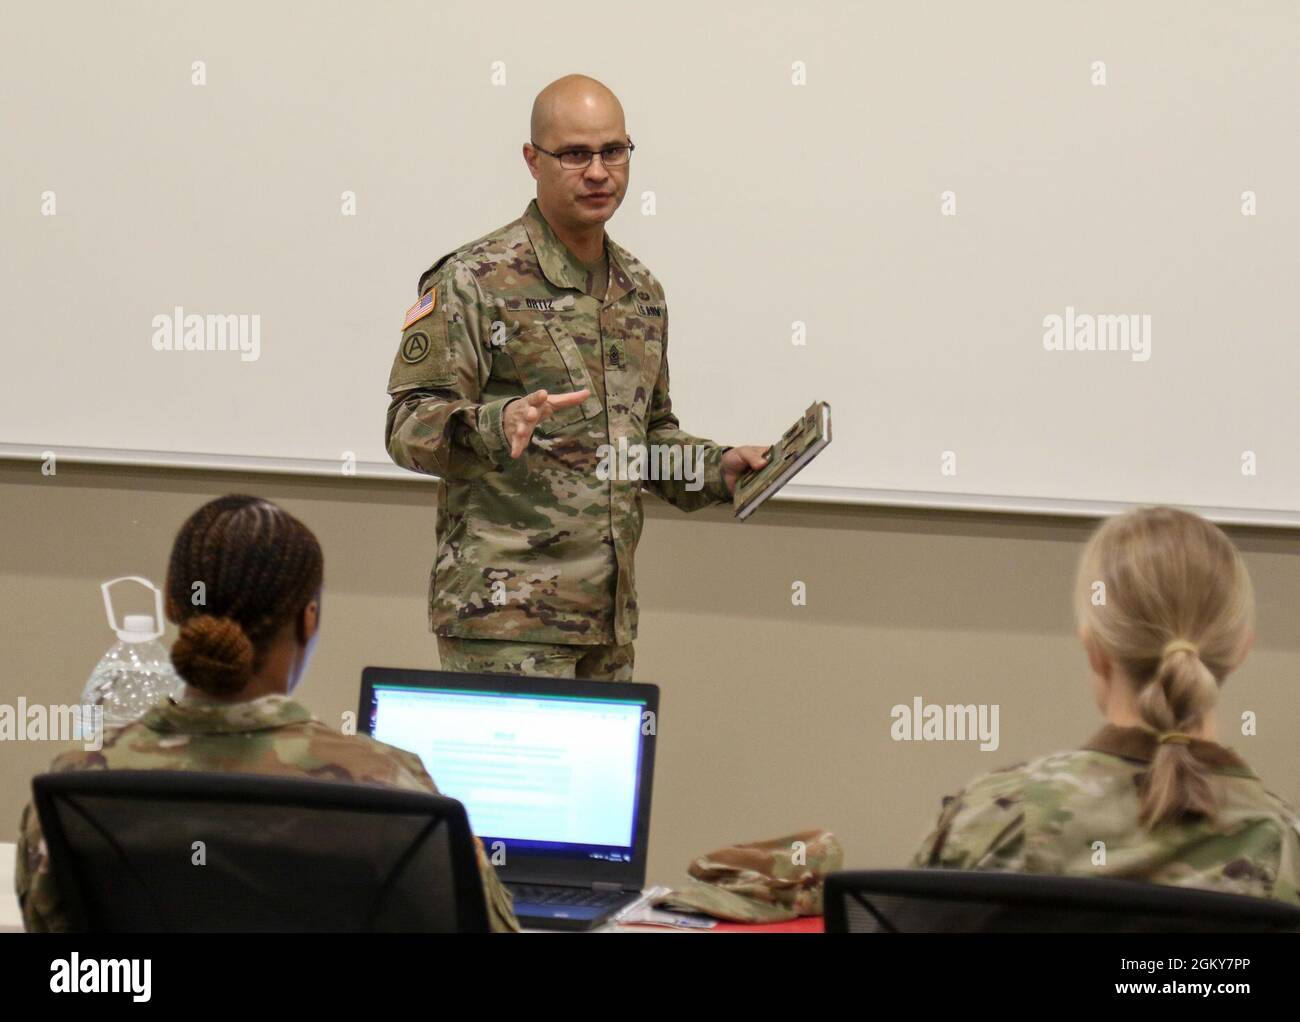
541 894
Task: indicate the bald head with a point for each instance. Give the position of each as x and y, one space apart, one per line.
574 103
578 113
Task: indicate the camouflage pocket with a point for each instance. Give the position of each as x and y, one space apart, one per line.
546 357
424 357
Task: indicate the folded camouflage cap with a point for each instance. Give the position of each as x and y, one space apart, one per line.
761 881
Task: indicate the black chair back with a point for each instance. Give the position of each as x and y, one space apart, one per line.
165 851
972 901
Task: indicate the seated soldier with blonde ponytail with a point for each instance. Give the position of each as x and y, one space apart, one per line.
244 585
1165 611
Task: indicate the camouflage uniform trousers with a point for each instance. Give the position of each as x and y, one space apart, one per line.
545 659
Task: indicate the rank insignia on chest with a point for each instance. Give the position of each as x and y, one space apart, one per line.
614 357
421 308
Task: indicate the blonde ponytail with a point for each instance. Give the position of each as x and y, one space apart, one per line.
1175 613
1177 697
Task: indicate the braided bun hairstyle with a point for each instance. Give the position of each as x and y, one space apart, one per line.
240 568
1175 616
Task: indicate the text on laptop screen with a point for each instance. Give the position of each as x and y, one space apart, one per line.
540 770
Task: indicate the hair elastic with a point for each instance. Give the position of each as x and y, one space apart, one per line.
1176 645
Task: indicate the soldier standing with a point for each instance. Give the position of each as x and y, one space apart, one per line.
532 378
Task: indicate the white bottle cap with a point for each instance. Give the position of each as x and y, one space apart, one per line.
136 627
139 628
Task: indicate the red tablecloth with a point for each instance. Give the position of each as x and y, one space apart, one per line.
804 924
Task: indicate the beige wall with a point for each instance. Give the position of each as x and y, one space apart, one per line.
774 717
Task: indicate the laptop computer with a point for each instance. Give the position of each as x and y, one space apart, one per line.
555 775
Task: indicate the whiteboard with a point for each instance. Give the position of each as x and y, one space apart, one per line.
788 189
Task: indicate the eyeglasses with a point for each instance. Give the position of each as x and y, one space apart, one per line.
580 159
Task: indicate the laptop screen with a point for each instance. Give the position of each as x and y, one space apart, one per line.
551 774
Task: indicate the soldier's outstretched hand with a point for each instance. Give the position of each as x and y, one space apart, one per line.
523 414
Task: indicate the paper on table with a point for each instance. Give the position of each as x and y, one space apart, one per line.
643 913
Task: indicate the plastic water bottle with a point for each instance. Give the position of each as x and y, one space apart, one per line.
136 672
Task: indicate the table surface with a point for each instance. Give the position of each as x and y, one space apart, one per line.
804 924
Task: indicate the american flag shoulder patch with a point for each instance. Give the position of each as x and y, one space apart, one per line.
421 308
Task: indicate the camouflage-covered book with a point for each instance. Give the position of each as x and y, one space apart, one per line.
801 443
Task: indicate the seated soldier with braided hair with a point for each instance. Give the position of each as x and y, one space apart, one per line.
241 652
1165 612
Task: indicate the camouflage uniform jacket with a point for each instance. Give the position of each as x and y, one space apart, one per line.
539 548
270 735
1044 817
